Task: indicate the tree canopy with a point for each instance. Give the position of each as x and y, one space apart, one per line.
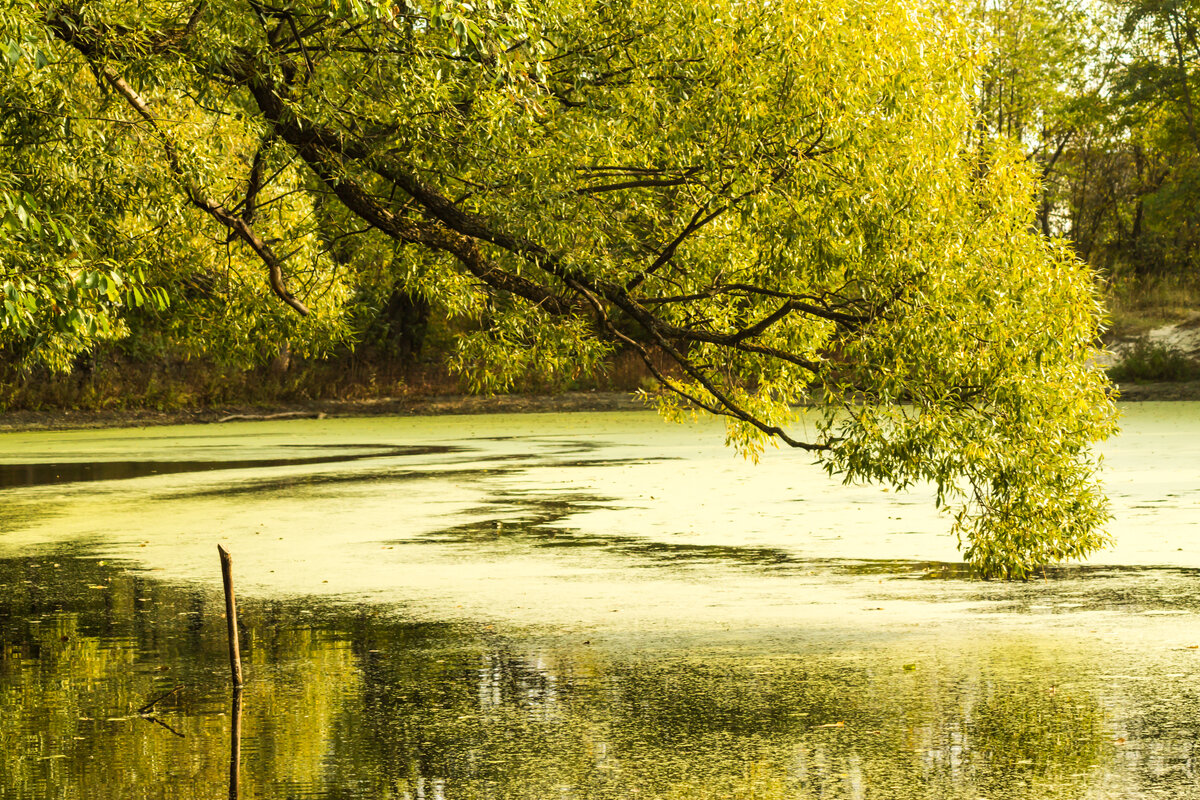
1102 97
783 203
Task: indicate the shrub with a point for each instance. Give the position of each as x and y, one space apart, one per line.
1154 361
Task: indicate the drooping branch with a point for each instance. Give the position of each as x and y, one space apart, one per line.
807 304
199 199
194 193
449 228
728 406
324 151
725 406
699 220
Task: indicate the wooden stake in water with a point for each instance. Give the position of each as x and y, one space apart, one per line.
235 655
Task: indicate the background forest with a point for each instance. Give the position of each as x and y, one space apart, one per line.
1099 96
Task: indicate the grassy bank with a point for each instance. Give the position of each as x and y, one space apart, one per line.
1155 329
1138 305
111 382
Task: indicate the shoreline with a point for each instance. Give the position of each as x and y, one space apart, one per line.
435 405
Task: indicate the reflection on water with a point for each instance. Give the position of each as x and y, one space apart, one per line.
354 702
235 742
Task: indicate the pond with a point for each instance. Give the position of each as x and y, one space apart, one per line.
572 606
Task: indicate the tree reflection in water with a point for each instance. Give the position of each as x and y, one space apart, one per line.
353 702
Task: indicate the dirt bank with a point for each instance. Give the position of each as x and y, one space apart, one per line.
417 406
387 406
1139 392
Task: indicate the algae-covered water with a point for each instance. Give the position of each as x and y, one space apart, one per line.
572 606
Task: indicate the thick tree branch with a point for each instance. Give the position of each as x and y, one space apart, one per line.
457 231
429 234
640 184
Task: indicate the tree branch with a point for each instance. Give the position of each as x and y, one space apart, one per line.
194 194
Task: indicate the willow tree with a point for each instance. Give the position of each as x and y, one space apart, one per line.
777 199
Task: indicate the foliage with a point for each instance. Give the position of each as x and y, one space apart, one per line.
1041 86
95 243
1153 92
1153 361
56 304
781 199
1101 97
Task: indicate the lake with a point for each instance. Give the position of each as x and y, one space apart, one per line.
573 606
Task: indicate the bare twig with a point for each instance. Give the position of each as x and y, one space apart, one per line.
146 708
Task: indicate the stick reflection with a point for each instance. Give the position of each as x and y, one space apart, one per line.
235 743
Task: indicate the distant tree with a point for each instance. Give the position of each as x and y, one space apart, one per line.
781 199
1041 85
1155 97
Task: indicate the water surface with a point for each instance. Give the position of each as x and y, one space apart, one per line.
578 606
